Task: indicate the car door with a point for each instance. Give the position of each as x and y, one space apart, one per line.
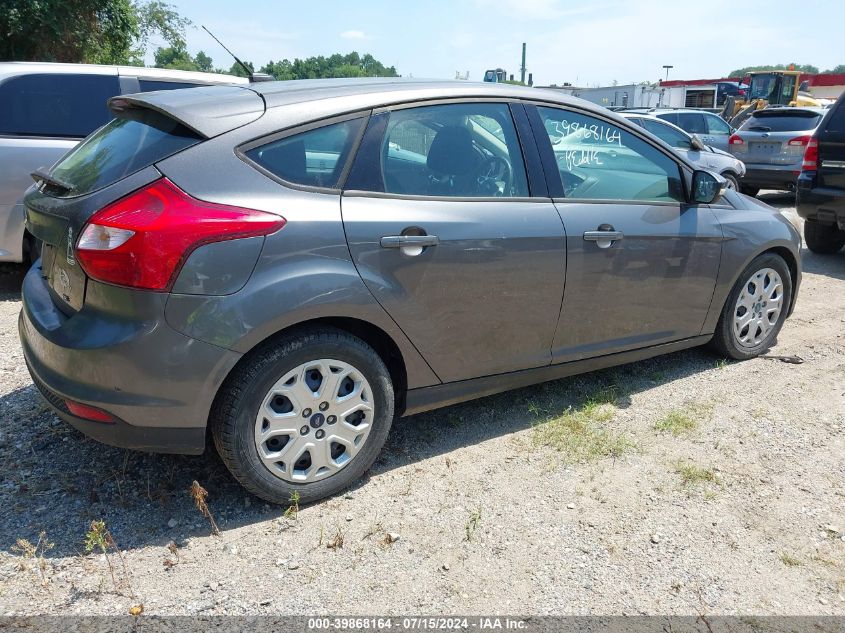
718 132
641 262
451 241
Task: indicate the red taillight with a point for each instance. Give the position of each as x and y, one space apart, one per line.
799 141
89 413
142 240
811 156
736 139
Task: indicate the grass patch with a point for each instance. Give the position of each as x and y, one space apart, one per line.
789 561
579 433
693 474
676 422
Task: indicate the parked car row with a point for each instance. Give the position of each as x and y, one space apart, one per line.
291 264
46 109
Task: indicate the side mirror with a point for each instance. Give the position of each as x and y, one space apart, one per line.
698 144
707 187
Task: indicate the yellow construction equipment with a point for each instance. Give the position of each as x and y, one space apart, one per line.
768 88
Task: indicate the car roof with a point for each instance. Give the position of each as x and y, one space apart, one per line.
142 72
207 109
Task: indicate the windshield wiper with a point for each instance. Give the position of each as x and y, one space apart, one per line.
760 128
42 175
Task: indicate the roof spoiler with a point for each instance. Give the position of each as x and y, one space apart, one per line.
207 110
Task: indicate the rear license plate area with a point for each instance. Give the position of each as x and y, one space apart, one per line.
64 276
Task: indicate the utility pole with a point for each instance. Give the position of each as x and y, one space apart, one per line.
522 68
667 67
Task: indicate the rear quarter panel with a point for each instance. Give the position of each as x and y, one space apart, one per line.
304 271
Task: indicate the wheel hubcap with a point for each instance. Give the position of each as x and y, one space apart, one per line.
758 307
314 420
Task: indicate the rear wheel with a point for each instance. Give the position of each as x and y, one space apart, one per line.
755 309
824 239
748 190
307 415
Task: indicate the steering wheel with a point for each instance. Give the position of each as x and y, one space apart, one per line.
492 171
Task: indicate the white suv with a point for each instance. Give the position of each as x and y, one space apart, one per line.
46 109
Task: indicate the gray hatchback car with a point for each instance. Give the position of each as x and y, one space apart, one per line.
294 264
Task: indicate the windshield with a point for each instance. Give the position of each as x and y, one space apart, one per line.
787 120
121 147
763 87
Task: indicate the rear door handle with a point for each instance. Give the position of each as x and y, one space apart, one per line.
401 241
602 238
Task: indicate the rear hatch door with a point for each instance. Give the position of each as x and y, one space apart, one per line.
831 138
111 163
777 136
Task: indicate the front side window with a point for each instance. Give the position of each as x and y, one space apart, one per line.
455 150
55 105
716 125
314 158
599 160
667 133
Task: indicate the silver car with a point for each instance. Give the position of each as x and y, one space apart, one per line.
709 127
692 148
46 109
772 143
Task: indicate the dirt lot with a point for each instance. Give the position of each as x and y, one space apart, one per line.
680 485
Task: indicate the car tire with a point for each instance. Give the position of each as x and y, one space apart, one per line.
754 292
239 433
749 191
733 183
823 239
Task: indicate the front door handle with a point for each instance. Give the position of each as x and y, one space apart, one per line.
604 237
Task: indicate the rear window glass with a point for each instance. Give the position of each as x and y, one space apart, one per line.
126 145
315 158
55 105
781 122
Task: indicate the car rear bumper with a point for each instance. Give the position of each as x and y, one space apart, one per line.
821 204
773 176
157 383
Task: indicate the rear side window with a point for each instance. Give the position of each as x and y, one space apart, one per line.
56 105
692 122
127 144
781 121
315 158
149 85
717 125
670 135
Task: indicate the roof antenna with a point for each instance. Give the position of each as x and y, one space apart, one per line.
254 77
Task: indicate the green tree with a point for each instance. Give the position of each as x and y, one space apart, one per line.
92 31
203 62
837 69
804 68
175 58
337 65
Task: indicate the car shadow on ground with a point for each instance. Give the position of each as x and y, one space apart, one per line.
11 278
57 481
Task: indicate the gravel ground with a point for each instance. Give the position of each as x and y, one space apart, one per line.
705 487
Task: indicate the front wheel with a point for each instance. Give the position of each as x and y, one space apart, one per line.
732 181
755 309
305 416
823 239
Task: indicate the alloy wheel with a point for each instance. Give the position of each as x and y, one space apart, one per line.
314 420
758 307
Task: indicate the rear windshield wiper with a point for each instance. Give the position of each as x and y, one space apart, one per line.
42 175
760 128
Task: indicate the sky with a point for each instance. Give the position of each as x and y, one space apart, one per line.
584 42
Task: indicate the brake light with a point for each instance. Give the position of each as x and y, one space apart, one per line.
811 156
736 139
800 141
142 240
89 413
